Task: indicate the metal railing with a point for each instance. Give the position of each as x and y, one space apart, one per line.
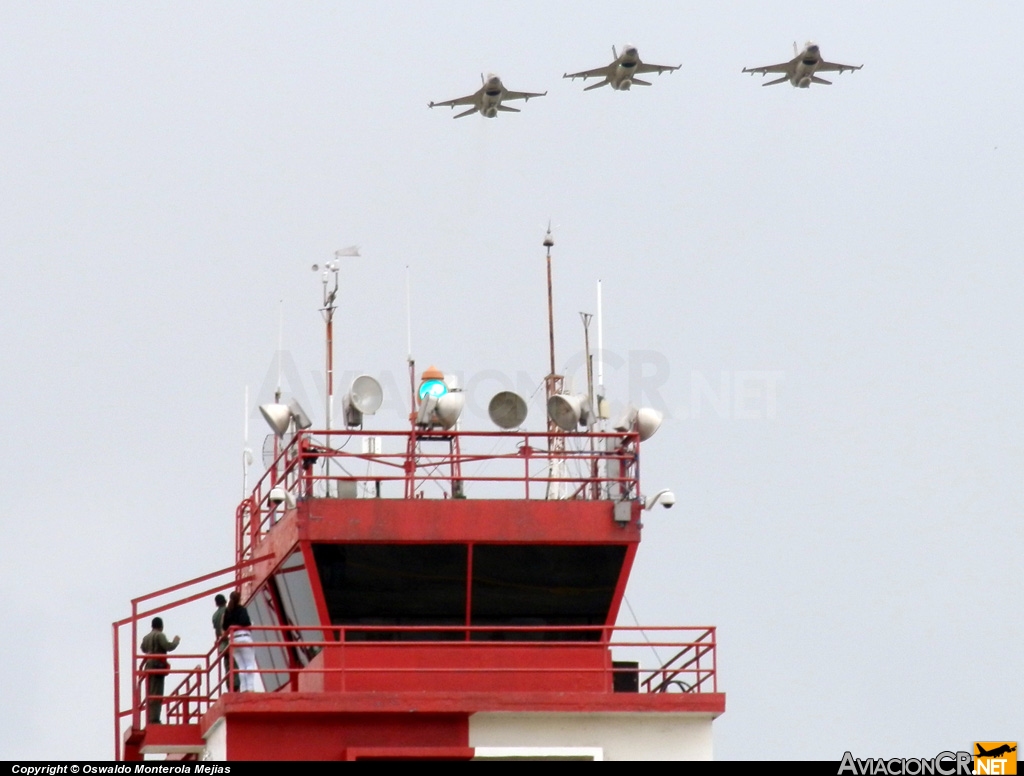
146 606
691 669
421 463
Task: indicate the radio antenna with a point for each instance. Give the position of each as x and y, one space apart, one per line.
408 339
553 385
246 451
280 347
600 360
408 315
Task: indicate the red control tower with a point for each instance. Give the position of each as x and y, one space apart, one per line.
435 593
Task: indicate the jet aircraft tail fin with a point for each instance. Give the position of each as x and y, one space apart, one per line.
642 83
815 79
777 81
464 113
508 109
598 85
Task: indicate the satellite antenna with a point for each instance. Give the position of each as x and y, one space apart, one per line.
270 451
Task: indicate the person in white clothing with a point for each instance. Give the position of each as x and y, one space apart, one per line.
236 623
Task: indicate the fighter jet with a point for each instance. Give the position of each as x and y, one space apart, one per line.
800 70
487 99
620 74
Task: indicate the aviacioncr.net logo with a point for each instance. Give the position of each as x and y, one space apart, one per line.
943 764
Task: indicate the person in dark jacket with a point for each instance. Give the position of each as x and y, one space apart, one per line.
236 624
156 643
221 640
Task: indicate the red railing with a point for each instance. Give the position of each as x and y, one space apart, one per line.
146 606
691 669
438 464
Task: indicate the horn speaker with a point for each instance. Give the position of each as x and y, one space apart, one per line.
507 410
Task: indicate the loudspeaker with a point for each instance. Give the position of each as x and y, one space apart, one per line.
645 421
449 407
301 418
278 416
507 410
364 397
569 411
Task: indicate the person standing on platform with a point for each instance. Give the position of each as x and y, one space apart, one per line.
222 639
236 624
157 668
218 617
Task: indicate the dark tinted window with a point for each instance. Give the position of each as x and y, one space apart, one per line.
297 604
263 612
532 584
394 584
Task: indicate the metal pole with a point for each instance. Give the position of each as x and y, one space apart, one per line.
586 317
553 385
548 242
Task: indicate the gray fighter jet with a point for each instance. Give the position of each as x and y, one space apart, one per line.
800 70
488 99
621 74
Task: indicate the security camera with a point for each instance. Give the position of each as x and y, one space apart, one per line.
276 496
664 497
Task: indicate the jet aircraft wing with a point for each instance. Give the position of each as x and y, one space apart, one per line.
469 99
643 67
782 67
832 67
597 72
509 95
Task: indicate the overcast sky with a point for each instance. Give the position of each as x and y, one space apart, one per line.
821 288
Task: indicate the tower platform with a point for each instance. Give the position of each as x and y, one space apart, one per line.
470 615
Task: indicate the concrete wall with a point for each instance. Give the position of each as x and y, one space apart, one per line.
636 736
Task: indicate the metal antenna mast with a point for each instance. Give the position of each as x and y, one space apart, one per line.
330 298
330 272
586 318
553 382
553 385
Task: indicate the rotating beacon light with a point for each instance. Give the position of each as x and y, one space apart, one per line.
440 402
432 383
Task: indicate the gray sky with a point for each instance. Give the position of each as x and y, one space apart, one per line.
820 287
